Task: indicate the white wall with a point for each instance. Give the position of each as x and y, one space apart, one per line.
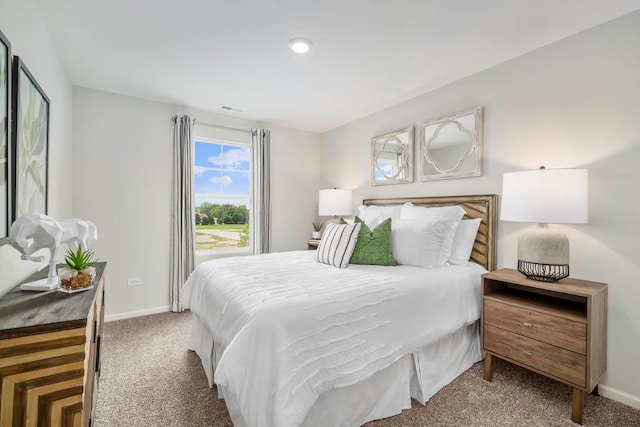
295 176
22 23
123 150
575 103
122 182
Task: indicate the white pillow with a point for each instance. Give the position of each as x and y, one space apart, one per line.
337 244
369 214
421 242
463 241
373 222
451 212
421 212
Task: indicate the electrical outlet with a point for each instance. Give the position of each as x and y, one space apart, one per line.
134 281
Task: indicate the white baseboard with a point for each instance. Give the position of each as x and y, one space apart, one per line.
619 396
138 313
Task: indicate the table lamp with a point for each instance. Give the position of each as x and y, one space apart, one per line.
335 202
545 196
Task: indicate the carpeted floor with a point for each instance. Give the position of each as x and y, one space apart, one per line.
149 378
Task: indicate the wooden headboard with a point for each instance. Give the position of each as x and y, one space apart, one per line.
476 206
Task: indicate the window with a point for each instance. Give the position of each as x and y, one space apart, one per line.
222 194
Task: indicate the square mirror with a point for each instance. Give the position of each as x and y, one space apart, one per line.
451 146
392 157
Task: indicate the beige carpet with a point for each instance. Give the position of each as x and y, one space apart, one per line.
150 379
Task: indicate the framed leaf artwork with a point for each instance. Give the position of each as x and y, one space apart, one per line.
31 142
5 135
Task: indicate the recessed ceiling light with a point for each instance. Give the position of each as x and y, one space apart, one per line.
300 45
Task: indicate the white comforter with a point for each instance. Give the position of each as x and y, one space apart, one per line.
293 328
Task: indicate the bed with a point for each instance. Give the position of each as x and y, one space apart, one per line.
289 341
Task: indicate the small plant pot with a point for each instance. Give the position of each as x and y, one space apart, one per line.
70 280
315 234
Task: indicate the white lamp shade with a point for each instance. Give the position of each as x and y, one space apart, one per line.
335 202
549 196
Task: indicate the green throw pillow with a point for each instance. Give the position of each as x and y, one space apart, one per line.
373 247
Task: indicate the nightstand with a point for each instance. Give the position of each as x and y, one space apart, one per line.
313 244
557 329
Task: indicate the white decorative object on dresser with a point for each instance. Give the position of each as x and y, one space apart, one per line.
32 233
555 329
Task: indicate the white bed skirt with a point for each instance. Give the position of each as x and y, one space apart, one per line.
419 375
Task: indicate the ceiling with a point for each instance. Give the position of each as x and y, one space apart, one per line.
367 54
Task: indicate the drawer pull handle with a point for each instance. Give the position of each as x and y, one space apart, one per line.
528 353
527 324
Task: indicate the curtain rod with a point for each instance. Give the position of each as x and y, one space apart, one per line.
220 126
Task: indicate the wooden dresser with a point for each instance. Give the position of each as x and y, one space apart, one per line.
558 329
50 346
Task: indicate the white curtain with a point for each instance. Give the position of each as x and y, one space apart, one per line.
260 197
182 209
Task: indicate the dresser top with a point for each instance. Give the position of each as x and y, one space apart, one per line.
23 312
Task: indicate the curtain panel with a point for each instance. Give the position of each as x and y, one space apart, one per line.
182 209
260 194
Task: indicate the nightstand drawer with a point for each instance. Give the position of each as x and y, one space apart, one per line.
559 331
560 363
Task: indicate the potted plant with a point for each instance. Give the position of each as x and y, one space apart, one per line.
79 271
317 226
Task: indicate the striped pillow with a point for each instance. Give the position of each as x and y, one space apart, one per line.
337 244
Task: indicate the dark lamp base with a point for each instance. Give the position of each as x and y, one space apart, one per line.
543 272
